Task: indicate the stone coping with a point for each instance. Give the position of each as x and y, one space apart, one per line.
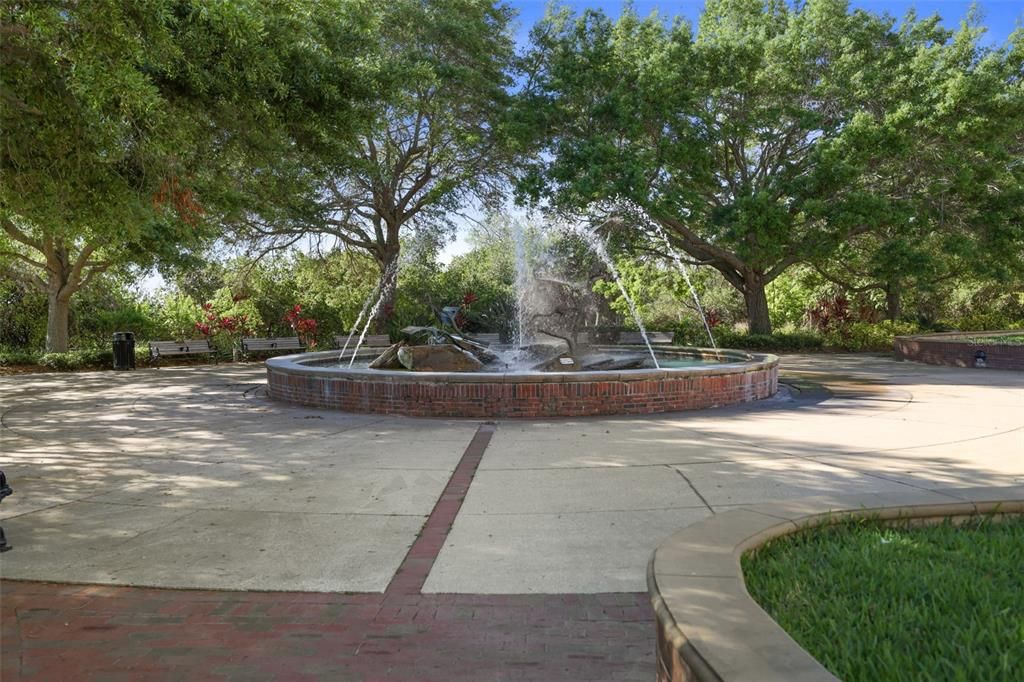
709 628
300 364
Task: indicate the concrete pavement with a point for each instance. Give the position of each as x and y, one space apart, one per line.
189 477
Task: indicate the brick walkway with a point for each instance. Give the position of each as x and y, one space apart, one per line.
60 632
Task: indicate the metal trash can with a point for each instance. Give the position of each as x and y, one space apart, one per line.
124 350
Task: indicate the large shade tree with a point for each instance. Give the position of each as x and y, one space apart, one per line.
959 186
433 145
770 136
129 125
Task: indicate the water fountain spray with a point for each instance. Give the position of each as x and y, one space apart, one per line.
596 244
389 280
359 320
522 282
684 268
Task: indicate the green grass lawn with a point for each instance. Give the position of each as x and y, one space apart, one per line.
875 602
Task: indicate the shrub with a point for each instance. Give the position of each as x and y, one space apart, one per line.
781 341
861 337
12 358
178 314
691 332
994 321
78 359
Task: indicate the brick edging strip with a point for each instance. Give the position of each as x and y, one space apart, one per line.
413 571
708 626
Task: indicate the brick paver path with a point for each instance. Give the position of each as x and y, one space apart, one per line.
80 632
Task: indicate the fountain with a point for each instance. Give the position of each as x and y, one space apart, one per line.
547 370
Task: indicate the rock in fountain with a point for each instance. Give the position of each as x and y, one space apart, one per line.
429 349
445 357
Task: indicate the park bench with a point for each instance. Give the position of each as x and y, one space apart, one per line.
371 340
271 344
653 337
168 349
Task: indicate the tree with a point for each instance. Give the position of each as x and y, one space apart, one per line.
432 145
961 183
769 137
127 125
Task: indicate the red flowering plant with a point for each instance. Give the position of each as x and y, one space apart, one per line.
713 317
304 327
461 316
830 314
233 327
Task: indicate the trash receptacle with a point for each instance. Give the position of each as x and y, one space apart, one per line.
124 350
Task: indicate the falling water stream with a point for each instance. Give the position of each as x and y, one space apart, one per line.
387 284
359 320
597 245
522 283
685 269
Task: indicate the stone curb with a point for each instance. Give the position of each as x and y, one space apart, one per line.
709 628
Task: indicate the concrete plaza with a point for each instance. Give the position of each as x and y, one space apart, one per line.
191 478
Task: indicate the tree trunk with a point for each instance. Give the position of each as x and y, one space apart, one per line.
388 290
893 301
757 306
58 315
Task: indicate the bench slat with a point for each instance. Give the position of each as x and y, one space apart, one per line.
272 343
371 340
653 337
170 348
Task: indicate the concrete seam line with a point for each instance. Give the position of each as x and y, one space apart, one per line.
419 560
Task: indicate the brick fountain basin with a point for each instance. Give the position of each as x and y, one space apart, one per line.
730 377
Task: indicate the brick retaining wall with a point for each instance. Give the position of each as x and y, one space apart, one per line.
561 395
954 350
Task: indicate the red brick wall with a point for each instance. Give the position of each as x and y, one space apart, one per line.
423 398
955 351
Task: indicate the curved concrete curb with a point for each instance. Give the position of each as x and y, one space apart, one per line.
709 628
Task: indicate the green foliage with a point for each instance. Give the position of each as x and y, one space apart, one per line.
432 145
790 295
859 337
77 360
778 134
875 601
177 314
133 129
22 315
137 317
14 358
791 342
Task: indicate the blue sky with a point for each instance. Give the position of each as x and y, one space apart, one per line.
1000 16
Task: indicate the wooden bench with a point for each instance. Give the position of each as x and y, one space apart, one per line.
168 349
653 337
371 340
271 344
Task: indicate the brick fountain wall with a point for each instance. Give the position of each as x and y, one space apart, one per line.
522 395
